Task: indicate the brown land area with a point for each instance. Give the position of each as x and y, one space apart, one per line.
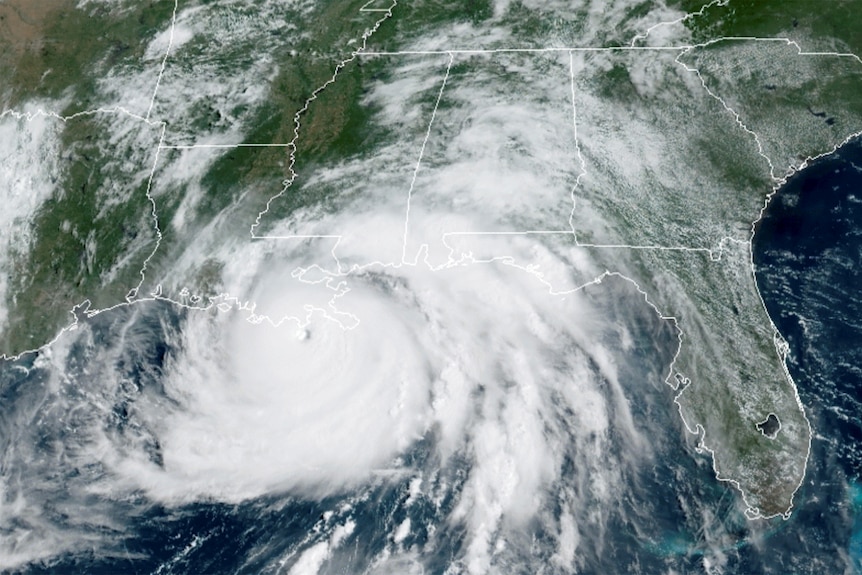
22 21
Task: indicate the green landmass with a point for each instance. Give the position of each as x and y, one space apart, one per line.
818 25
90 239
75 46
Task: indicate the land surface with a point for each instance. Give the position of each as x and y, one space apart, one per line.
178 132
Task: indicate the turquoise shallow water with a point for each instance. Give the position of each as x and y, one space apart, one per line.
672 517
808 252
856 537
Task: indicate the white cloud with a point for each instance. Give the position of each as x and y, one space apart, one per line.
310 407
311 560
337 357
29 145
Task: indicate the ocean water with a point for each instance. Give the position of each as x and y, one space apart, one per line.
671 513
671 517
808 257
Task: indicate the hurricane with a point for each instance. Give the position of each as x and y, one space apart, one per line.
424 288
497 401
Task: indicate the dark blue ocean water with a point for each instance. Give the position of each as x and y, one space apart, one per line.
673 516
808 256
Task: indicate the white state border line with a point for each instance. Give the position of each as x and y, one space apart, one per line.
680 20
164 60
155 214
682 49
581 160
480 51
674 380
419 161
578 244
365 7
781 346
29 116
588 49
582 173
298 115
118 109
84 308
219 146
113 110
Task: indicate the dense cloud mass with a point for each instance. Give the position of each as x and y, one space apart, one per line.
442 346
477 366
